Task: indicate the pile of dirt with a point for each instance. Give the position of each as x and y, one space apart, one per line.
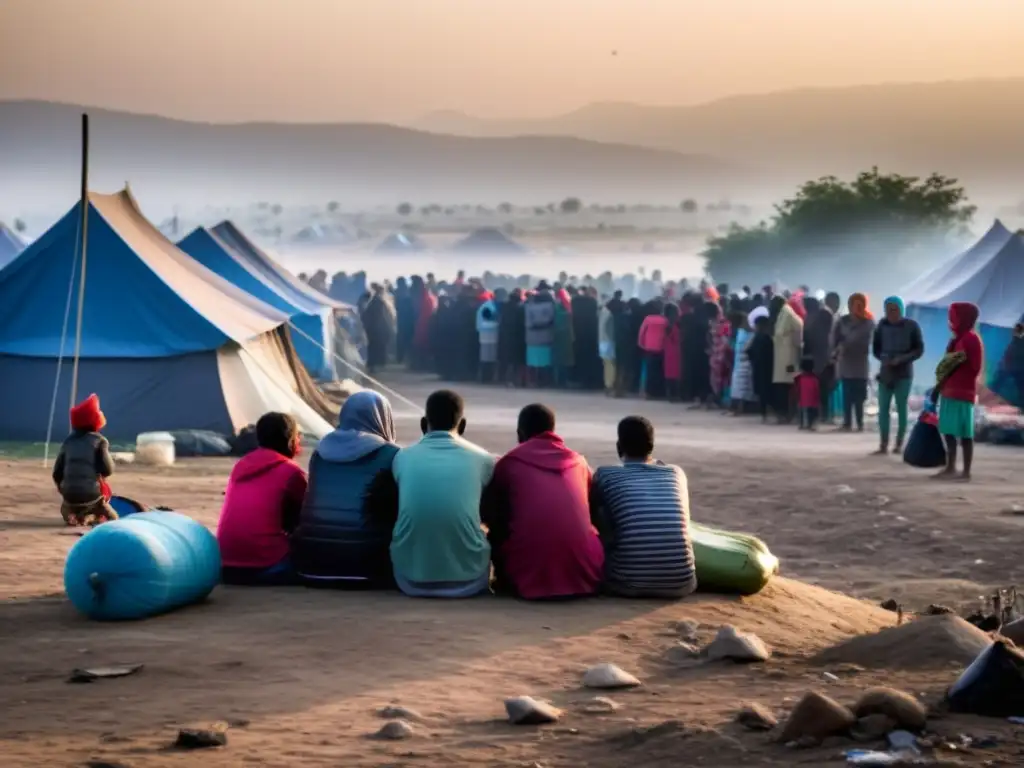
926 642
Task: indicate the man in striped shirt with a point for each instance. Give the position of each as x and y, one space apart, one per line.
642 510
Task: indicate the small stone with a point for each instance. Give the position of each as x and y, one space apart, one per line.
843 490
743 647
938 610
608 676
395 730
816 716
599 705
889 605
830 677
398 712
526 710
873 727
687 629
190 738
907 711
756 717
238 722
1014 509
681 653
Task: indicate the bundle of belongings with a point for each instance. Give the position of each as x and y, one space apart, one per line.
925 448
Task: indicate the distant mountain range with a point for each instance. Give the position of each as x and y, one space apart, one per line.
170 161
969 129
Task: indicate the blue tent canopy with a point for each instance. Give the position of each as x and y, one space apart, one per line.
990 275
166 343
10 245
313 321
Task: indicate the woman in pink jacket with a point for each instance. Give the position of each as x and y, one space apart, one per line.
261 507
651 341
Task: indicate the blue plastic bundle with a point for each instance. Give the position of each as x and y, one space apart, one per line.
926 448
125 506
143 565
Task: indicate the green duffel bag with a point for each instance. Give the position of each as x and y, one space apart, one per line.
731 562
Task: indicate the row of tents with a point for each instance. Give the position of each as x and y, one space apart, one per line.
485 240
989 274
208 333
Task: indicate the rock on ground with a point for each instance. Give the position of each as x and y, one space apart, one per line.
816 716
526 710
756 717
743 647
907 711
397 712
608 676
873 727
599 705
395 730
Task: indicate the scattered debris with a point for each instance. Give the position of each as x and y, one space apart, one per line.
526 710
756 717
103 673
682 653
599 705
687 629
903 708
843 490
830 677
608 676
741 647
890 605
640 735
938 610
902 741
394 730
1014 509
197 738
816 716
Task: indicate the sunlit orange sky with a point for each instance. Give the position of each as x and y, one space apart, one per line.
317 60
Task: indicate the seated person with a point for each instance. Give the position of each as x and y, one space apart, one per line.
339 540
542 541
438 548
642 509
261 507
83 466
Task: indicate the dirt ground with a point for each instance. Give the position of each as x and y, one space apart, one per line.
299 674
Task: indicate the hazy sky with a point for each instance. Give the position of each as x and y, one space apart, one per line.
300 60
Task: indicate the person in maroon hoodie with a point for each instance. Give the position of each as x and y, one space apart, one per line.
543 543
959 391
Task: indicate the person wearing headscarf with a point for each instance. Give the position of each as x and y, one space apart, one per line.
697 350
606 344
487 324
852 338
512 339
344 528
405 312
651 341
673 355
742 385
959 390
539 317
586 312
426 302
817 340
896 344
720 353
788 340
760 353
562 357
379 323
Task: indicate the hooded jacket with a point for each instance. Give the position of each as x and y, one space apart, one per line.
962 384
540 320
899 344
545 544
261 504
84 459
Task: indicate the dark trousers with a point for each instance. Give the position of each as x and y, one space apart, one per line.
808 418
855 392
783 397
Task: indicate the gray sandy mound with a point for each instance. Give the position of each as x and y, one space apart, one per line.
929 641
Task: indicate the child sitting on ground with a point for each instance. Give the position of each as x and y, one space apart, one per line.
261 508
808 390
82 467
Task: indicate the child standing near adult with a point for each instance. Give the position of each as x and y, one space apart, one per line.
808 391
761 353
959 390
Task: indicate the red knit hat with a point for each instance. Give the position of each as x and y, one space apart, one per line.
87 415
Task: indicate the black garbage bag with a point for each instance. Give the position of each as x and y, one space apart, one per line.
925 448
993 685
200 442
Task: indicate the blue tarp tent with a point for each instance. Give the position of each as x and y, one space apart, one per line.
10 245
166 343
310 318
989 274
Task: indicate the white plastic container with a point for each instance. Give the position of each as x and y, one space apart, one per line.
155 449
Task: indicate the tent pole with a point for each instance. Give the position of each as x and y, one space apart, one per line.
85 239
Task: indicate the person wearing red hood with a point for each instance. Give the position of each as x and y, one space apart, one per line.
262 504
959 391
82 467
543 543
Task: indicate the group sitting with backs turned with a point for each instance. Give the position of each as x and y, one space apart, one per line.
431 518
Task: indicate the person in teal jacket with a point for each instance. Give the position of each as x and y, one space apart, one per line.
438 548
897 343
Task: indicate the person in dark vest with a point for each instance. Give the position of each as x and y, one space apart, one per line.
83 466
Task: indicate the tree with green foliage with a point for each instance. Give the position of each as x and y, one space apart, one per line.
827 215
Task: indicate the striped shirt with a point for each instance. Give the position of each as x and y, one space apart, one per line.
644 511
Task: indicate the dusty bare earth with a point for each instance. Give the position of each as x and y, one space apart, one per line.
299 674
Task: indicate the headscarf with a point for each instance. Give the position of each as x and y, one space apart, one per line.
898 301
564 299
859 307
796 303
962 318
755 314
365 424
711 294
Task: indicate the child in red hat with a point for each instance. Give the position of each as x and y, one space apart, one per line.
82 467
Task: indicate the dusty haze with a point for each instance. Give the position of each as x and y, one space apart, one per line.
393 60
